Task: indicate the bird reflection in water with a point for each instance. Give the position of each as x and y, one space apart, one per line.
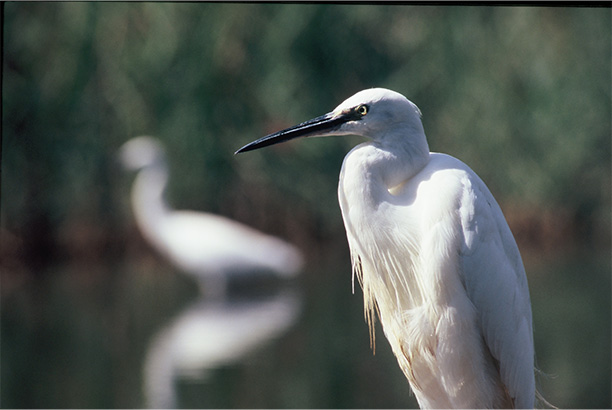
211 335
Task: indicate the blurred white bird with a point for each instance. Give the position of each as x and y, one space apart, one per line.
208 246
434 255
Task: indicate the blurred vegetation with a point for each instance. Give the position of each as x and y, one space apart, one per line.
521 94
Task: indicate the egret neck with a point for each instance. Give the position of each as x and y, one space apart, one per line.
372 174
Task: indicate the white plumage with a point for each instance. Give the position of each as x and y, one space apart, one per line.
434 255
208 246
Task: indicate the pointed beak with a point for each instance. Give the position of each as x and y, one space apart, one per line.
320 126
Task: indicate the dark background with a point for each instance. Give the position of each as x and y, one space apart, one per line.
521 94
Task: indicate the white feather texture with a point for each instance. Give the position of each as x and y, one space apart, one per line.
435 257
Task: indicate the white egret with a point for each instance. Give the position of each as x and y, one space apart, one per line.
434 255
208 246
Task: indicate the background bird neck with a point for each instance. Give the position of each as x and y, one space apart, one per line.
148 202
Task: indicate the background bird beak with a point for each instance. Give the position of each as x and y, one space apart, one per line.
319 126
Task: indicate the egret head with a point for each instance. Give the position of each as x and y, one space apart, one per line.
373 113
141 152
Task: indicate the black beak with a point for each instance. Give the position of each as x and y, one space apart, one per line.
319 126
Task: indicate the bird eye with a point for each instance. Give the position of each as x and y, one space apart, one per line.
362 109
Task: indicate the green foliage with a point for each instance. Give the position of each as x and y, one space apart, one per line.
521 94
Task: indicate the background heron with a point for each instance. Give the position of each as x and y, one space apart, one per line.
434 255
208 246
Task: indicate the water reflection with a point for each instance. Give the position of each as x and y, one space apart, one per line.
211 334
77 341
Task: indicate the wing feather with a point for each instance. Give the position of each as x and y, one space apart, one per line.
496 284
